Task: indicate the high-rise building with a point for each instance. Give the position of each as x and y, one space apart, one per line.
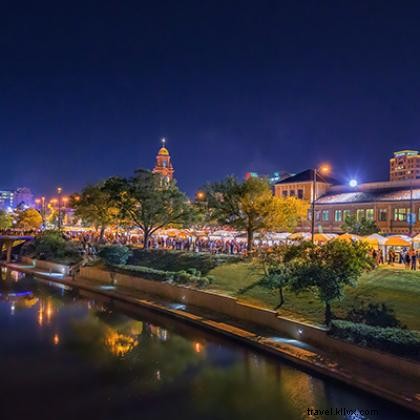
272 178
6 200
404 165
163 163
23 197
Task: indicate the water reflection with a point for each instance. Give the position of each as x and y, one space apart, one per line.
92 360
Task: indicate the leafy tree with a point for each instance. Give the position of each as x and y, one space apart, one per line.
149 203
359 227
326 269
28 219
251 206
276 275
6 220
95 207
51 245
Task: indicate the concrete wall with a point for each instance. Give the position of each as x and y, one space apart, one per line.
232 308
47 265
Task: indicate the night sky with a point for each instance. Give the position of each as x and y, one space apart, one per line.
87 89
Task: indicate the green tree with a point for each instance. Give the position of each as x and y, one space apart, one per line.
94 206
149 203
327 269
251 206
6 220
28 219
359 227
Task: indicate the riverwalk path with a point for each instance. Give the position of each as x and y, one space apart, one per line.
386 384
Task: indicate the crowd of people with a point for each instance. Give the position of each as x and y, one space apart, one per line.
89 239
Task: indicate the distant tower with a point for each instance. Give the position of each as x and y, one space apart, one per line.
163 163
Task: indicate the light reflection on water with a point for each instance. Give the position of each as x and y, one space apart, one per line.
82 358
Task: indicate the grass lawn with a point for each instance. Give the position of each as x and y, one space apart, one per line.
396 287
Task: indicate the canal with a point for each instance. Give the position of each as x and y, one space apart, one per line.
67 356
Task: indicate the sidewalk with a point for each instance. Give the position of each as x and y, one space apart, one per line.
385 384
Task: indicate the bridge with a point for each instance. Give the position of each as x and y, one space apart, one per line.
9 242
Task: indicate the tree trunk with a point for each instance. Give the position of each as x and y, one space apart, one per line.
281 296
101 234
146 239
328 314
250 239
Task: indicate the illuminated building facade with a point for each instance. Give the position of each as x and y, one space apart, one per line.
404 165
6 200
301 185
163 164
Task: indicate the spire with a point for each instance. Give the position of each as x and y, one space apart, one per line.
163 141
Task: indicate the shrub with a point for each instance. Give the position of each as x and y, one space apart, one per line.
183 277
115 254
179 277
202 282
393 340
145 272
179 260
375 314
52 246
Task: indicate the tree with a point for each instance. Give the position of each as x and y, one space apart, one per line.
251 206
326 269
28 219
94 206
276 275
6 220
359 227
149 203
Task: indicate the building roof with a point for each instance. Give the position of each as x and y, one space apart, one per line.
349 197
308 176
163 151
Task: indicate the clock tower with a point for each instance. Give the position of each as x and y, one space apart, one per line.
163 164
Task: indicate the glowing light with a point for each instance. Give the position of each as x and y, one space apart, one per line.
325 169
56 340
119 344
198 347
353 183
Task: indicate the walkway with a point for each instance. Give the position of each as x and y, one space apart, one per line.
386 384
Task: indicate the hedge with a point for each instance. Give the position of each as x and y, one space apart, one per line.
179 277
398 341
169 260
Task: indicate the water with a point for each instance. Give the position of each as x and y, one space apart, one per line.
64 356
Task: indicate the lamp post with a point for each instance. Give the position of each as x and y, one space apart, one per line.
411 218
324 169
59 191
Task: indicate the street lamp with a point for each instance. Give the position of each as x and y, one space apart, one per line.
323 169
59 191
353 183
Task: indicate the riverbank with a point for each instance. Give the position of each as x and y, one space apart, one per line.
398 388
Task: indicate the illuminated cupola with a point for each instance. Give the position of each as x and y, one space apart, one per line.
163 163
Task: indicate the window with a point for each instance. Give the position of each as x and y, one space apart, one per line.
382 216
300 194
369 214
325 215
400 215
338 216
346 214
360 214
292 193
284 193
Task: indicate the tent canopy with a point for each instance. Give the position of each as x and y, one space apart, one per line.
397 241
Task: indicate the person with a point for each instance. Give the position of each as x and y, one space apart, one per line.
413 258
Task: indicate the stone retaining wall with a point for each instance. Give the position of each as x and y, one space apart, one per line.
231 307
47 265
